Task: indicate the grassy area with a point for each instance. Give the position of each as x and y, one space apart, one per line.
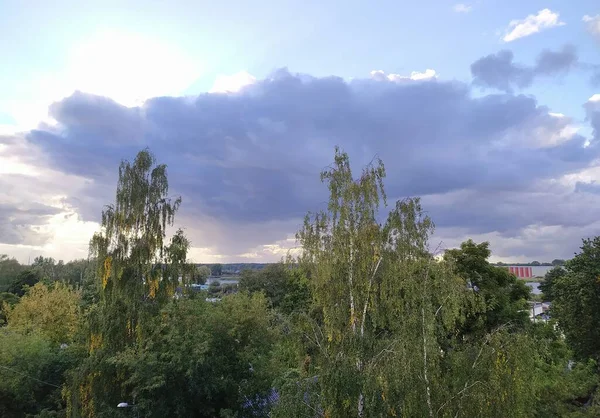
533 279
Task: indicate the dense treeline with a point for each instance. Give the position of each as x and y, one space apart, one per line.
366 321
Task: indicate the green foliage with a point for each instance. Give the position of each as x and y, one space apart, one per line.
219 354
201 274
576 302
386 302
7 301
564 387
137 272
502 297
9 270
286 287
32 372
47 268
216 269
550 278
52 311
26 278
366 322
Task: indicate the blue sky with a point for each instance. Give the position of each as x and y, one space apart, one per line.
132 52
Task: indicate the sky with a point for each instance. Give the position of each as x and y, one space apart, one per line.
489 110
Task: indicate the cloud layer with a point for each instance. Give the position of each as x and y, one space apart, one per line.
247 162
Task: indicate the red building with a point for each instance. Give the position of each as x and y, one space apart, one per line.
521 272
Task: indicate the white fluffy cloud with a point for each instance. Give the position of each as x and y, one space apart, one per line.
593 25
380 75
462 8
544 19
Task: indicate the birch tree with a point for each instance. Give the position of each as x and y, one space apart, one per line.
137 271
384 298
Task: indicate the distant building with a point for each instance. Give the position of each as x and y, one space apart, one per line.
525 272
522 272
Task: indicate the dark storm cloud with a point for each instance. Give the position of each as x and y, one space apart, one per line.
250 161
501 72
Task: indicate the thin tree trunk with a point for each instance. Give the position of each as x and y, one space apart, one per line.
366 305
425 376
350 285
428 389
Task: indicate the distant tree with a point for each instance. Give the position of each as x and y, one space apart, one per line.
52 311
216 269
7 301
25 278
9 270
558 262
284 286
201 274
272 281
576 301
535 263
75 272
550 279
47 268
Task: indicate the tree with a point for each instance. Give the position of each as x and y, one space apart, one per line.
76 272
32 374
201 274
9 270
26 278
218 353
137 272
216 269
549 280
535 263
558 262
576 301
285 286
7 301
504 297
47 268
52 311
385 300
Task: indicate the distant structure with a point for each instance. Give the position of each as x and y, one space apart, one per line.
521 272
526 272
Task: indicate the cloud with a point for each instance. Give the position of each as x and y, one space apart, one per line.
232 83
247 163
462 8
592 24
562 61
592 108
544 19
501 72
380 75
